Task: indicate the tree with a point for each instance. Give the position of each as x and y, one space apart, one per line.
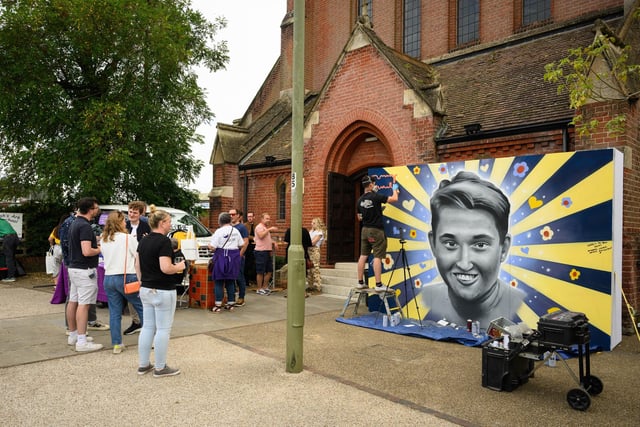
100 98
606 70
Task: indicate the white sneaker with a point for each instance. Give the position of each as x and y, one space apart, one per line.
380 288
73 341
118 348
362 286
88 346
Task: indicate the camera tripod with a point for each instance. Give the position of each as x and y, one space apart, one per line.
406 271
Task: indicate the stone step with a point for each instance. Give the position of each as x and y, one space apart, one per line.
339 280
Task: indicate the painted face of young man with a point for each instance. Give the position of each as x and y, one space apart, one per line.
468 251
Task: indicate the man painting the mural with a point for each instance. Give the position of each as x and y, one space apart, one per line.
372 238
469 240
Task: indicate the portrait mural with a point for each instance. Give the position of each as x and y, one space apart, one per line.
515 237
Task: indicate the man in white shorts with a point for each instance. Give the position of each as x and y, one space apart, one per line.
83 276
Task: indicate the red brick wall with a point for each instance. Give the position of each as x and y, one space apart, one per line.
631 215
538 143
329 24
565 10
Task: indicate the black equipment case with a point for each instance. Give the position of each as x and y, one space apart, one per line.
503 369
562 329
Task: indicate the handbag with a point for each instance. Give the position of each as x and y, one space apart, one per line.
131 287
52 263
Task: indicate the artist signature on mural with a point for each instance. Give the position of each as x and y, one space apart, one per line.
598 247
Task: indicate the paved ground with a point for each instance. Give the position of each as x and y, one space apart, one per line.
233 371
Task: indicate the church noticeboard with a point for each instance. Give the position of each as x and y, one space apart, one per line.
15 219
564 228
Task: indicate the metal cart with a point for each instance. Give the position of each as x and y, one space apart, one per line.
558 331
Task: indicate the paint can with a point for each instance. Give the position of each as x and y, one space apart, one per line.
475 327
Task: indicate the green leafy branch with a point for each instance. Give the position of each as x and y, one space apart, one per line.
584 80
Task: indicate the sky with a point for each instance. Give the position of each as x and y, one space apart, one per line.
253 39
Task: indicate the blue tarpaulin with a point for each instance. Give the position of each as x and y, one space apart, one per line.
412 327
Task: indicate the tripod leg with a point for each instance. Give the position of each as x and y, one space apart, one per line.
407 271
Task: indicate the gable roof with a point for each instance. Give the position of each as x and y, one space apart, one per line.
503 88
269 135
422 78
417 75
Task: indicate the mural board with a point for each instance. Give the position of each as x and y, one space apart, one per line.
564 235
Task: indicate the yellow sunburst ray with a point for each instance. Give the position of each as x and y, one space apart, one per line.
579 298
582 196
593 255
548 166
394 212
500 169
528 316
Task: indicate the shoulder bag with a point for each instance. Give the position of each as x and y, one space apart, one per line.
131 287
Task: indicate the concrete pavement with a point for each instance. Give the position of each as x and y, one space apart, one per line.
233 371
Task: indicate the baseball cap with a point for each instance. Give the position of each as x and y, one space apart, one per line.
366 180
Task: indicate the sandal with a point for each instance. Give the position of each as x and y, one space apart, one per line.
216 309
229 307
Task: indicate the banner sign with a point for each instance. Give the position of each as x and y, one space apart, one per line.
15 219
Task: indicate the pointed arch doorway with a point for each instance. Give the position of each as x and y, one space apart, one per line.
360 148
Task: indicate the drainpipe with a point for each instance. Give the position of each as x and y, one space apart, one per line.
565 139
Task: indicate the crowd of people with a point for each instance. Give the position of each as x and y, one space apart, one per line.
134 247
244 252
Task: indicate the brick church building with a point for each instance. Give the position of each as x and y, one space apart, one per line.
420 82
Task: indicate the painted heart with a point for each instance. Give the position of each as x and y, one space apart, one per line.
484 167
396 230
534 203
409 204
524 250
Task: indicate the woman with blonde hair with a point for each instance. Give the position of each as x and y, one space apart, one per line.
119 251
158 294
318 235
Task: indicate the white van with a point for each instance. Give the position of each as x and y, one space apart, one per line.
179 222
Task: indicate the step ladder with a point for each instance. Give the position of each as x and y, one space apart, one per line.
360 296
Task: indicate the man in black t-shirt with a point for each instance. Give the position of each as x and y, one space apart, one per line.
83 276
372 236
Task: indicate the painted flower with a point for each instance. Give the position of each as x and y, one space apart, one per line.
546 233
566 202
520 169
413 233
513 283
387 262
417 283
574 274
416 170
443 168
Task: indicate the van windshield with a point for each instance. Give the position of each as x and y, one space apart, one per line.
199 229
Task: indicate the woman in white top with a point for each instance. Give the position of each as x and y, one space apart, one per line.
117 247
226 243
318 235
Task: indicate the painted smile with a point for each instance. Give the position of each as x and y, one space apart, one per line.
466 278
